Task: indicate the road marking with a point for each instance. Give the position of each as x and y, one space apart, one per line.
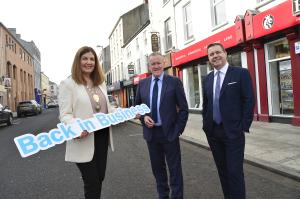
131 135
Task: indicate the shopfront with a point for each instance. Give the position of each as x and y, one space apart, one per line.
129 92
193 64
274 34
116 91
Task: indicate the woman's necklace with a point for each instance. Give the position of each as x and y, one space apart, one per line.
95 95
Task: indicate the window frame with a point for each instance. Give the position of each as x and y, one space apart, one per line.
168 33
214 4
187 22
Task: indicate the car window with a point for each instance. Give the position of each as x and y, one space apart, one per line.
25 103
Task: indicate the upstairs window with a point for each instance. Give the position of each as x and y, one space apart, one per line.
218 12
168 34
187 20
296 7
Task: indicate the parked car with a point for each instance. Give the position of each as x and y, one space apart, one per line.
112 101
6 115
52 104
28 107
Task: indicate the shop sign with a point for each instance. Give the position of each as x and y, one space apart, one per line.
7 82
268 22
274 19
297 47
155 42
226 37
131 69
139 77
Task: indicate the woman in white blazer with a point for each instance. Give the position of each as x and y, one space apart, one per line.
80 96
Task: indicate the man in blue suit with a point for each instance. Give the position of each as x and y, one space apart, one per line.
165 96
228 103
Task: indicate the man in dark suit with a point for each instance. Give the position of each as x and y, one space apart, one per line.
228 103
165 96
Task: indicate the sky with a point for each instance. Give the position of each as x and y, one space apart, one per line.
60 27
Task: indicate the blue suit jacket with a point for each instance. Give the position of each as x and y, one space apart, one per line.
236 102
173 107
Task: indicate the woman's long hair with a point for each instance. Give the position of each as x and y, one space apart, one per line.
97 75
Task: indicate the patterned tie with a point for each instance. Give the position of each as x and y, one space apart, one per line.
216 108
154 100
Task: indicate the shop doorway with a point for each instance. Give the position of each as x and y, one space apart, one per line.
281 88
280 83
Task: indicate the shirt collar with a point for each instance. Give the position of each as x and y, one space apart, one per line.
161 77
223 69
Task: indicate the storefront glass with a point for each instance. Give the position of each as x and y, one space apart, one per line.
280 74
193 87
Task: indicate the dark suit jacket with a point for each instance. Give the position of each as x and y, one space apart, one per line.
173 107
236 102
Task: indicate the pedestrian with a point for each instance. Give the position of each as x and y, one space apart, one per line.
228 103
80 96
165 96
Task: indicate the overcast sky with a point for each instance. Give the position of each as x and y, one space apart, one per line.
60 27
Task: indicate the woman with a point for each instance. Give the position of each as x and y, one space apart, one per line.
80 96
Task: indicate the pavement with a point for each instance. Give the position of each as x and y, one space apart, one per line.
271 146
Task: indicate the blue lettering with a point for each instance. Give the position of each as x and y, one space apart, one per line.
26 145
56 136
89 125
119 116
44 141
102 120
69 134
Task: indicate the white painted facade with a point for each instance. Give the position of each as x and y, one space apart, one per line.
161 11
116 52
136 53
193 21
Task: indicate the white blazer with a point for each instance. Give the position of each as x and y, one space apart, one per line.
74 102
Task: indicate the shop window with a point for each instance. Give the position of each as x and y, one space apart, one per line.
187 21
235 59
280 78
218 12
193 87
279 49
281 88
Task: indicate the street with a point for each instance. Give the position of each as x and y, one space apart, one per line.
46 175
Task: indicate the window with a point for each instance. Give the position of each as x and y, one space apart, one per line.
145 37
137 44
296 7
168 34
128 52
187 20
165 1
138 66
218 12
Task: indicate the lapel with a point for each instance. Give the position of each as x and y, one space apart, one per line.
226 80
211 85
148 83
164 87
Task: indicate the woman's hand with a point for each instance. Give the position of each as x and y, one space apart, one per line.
83 134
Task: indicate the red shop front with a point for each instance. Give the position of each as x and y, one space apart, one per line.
192 65
273 37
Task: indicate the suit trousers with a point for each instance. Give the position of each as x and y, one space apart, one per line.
162 151
93 172
229 156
